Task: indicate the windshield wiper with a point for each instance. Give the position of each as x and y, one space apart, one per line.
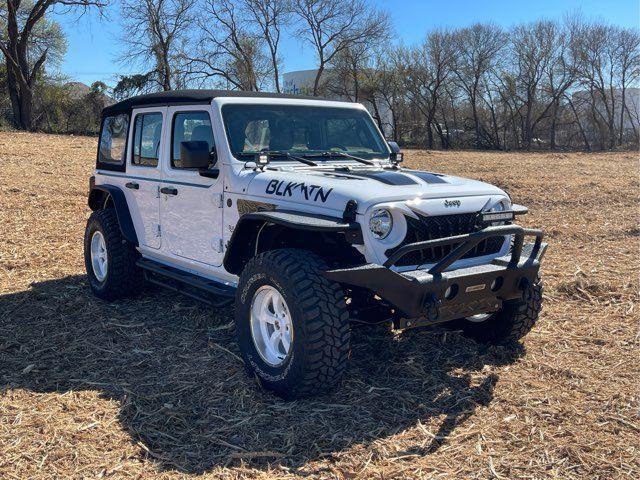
341 155
277 153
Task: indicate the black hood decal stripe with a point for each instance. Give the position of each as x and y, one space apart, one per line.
427 177
385 176
395 177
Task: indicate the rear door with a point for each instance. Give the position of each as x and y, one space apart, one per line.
144 172
190 204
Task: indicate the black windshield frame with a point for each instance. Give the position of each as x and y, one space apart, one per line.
306 125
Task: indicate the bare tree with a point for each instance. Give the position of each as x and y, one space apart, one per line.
154 31
429 66
332 26
559 78
532 49
229 51
270 16
627 61
384 90
347 70
477 49
604 56
26 45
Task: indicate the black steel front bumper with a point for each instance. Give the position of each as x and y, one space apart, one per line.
437 294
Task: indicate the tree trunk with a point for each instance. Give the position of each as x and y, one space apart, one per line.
444 142
12 85
622 109
21 96
476 123
429 133
316 83
554 121
276 72
527 134
582 132
26 108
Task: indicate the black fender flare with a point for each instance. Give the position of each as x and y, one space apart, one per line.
249 225
120 205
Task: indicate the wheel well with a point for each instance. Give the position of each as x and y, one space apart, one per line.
100 200
103 197
259 236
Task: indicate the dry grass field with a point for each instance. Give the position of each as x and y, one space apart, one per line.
153 387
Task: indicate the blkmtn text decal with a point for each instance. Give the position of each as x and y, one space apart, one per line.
287 189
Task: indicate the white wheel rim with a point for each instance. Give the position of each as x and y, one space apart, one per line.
479 318
271 325
99 259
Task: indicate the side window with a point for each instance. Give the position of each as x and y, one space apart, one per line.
113 139
190 127
147 133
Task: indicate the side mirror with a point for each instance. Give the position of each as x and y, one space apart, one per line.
195 155
396 154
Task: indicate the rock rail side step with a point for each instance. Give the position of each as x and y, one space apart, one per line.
205 290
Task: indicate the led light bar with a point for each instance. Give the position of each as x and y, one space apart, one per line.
497 216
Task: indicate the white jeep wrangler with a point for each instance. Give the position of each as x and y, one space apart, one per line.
299 211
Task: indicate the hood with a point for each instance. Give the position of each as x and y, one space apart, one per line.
331 189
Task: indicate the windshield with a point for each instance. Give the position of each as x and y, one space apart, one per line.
301 131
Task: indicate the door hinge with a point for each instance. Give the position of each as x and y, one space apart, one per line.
159 231
158 196
221 201
220 247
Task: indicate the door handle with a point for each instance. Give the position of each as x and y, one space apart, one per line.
169 191
132 185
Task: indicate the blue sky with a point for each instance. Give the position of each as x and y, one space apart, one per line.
94 46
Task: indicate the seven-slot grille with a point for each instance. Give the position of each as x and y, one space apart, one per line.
429 228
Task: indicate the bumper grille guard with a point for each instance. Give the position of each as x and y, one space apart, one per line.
435 295
469 241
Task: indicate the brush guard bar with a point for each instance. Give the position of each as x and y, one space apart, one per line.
437 294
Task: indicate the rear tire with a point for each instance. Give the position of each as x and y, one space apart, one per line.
510 324
318 352
121 276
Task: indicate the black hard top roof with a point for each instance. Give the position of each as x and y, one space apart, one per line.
186 97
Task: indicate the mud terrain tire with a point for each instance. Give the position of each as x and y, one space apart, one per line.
319 350
123 277
510 324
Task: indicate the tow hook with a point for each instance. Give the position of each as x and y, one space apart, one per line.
430 307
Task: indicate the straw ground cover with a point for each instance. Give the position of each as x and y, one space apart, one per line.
153 387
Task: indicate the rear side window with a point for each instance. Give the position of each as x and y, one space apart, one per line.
147 134
190 127
113 140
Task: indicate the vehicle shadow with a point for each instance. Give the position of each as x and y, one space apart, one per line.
174 367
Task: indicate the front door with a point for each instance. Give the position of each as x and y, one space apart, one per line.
144 174
190 204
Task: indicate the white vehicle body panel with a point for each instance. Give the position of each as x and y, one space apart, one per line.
192 219
205 212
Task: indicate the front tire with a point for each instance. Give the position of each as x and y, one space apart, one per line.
508 325
109 259
286 288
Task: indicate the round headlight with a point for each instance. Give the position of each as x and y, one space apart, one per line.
381 223
499 207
